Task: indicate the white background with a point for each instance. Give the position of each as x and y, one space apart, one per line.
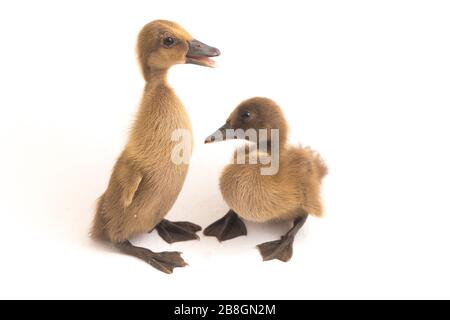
366 83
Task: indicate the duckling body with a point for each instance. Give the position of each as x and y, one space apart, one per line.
262 198
146 181
291 193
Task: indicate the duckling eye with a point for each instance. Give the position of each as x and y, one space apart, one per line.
245 115
168 41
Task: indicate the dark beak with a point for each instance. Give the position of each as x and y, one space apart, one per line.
220 134
200 53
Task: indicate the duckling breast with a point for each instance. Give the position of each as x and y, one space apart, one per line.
257 197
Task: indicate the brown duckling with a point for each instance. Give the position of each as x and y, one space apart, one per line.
145 182
290 192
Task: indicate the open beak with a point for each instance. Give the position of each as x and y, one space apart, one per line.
220 134
200 53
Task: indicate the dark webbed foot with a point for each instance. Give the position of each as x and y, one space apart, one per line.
229 227
282 249
162 261
279 249
173 232
166 261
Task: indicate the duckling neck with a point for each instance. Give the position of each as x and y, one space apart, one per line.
155 76
159 115
269 144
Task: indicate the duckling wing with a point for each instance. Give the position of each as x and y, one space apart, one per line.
129 179
130 189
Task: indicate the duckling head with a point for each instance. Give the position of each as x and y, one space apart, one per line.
259 114
162 44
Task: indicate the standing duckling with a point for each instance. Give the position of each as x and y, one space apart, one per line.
145 181
292 192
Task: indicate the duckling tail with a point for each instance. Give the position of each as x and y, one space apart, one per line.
320 166
322 169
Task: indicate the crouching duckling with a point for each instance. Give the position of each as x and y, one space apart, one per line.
146 181
291 191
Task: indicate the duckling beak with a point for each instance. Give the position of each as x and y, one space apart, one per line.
200 53
220 134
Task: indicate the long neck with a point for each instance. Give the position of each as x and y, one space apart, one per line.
155 76
157 92
156 101
159 105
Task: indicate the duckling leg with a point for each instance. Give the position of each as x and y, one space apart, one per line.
177 231
163 261
229 227
282 249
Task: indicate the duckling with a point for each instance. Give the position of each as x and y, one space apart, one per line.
290 192
145 182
